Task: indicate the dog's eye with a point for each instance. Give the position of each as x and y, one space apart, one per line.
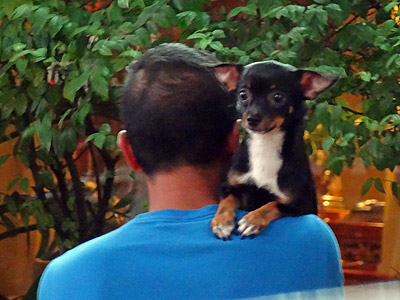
243 95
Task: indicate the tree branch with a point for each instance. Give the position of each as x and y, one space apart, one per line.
14 232
62 186
107 190
33 166
96 171
9 136
80 197
347 109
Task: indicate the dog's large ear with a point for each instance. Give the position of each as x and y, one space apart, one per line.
314 83
228 74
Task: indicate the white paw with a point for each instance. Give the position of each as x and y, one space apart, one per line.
223 231
246 228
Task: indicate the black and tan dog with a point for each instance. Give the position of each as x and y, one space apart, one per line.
270 175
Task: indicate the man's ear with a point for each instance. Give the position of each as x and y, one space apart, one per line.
228 74
314 83
127 152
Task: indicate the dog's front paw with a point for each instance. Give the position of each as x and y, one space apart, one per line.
224 220
256 221
223 224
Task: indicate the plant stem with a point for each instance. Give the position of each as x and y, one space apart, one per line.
9 136
33 166
14 232
80 197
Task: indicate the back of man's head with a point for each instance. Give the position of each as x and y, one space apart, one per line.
175 110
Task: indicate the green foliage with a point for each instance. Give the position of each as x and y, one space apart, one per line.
59 62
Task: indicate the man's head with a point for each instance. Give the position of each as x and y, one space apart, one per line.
174 109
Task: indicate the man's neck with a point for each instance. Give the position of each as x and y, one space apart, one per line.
183 188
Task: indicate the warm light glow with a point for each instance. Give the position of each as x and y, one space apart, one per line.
325 203
394 13
91 185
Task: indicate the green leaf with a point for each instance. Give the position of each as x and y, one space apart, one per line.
178 4
18 47
90 137
4 158
390 6
335 163
13 183
110 143
365 76
185 18
152 27
40 17
99 140
21 65
366 186
147 13
24 184
328 143
74 85
45 178
83 112
55 25
100 85
105 128
39 52
23 10
379 185
250 9
123 3
391 60
348 136
45 136
71 140
161 20
67 112
22 157
12 205
219 34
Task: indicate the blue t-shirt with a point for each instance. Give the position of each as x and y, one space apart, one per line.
173 254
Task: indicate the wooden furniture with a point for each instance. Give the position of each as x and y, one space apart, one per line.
360 246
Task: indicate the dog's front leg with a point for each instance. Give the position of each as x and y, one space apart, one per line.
257 220
223 222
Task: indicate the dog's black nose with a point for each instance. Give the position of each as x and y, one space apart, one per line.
253 120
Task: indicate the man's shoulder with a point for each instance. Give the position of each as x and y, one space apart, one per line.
303 227
79 267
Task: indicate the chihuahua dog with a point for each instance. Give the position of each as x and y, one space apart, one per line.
270 175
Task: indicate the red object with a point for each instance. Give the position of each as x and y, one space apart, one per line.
52 83
93 8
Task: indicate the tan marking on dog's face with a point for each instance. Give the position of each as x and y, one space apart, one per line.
266 125
291 109
273 86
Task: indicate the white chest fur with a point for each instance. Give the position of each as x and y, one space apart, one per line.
265 161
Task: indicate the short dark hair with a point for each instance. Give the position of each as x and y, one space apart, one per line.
175 110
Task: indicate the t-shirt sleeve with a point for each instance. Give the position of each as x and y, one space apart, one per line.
325 242
48 283
69 277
